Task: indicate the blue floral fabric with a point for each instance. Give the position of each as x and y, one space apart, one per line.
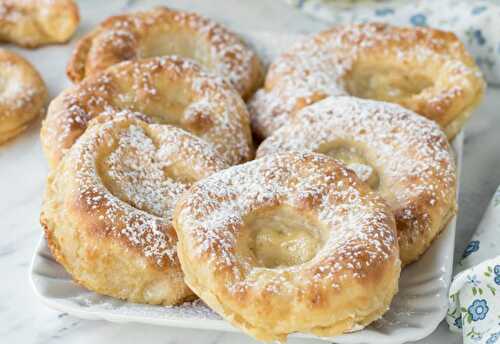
477 22
478 310
472 247
474 303
494 338
474 299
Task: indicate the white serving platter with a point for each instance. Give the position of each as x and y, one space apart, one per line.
415 312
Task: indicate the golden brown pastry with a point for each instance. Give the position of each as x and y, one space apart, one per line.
32 23
163 31
423 69
166 90
289 242
22 94
405 157
108 208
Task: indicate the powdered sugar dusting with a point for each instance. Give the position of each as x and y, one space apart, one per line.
319 66
30 23
362 171
15 93
229 56
409 152
13 12
211 44
20 88
132 189
137 173
213 111
211 219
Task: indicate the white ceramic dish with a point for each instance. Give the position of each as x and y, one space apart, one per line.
415 312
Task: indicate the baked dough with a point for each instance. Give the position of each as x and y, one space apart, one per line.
163 31
108 208
32 23
22 94
289 242
404 156
167 90
425 70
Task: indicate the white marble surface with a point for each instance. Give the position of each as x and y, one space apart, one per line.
23 319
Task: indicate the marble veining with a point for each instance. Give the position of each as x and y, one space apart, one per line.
23 170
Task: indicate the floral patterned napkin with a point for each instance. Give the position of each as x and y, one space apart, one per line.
476 22
474 297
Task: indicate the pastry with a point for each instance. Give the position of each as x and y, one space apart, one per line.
22 96
33 23
107 211
405 157
289 242
166 90
423 69
163 31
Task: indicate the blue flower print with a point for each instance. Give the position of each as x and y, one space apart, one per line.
496 270
478 10
472 247
381 12
478 309
476 337
473 280
478 35
458 322
418 20
493 338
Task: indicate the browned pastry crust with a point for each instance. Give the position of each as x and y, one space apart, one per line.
425 70
107 211
164 90
405 157
22 95
163 31
32 23
286 243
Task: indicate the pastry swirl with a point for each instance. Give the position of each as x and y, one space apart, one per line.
163 31
289 242
168 90
107 211
33 23
23 95
423 69
405 157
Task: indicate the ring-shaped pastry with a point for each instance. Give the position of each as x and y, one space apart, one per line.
22 95
108 208
33 23
423 69
163 31
286 243
168 90
402 155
